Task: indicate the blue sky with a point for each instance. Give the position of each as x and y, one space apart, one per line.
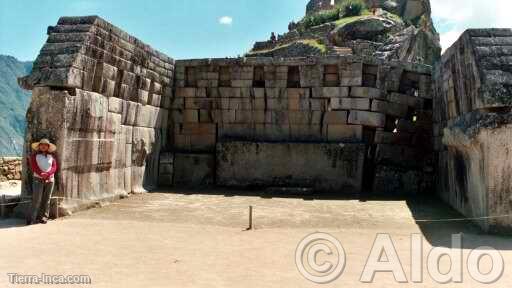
207 28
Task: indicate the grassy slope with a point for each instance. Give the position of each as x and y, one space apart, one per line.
13 104
310 42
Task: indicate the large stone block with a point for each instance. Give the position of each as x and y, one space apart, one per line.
366 92
330 92
335 117
351 74
398 155
344 133
388 108
166 169
194 170
349 104
365 118
271 132
404 99
393 181
306 133
335 167
87 111
475 171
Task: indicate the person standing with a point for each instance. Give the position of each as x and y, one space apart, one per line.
43 164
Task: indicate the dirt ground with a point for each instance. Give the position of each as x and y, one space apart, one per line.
198 239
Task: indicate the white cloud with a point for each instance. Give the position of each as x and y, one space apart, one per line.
448 38
452 17
226 20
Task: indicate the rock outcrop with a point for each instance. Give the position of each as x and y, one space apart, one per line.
473 106
373 29
400 30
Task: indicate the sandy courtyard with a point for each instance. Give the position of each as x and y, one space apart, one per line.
198 240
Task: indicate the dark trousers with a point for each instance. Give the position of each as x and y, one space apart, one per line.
41 197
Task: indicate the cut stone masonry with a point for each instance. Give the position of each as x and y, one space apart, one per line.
127 119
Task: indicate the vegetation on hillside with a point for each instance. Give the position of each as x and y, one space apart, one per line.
343 10
314 43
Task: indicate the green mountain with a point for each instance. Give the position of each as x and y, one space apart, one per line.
13 105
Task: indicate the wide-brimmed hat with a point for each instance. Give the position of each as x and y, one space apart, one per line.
52 148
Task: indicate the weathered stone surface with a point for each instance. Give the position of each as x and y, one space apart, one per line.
475 170
87 101
474 73
472 108
344 133
336 167
395 181
349 104
194 170
371 119
393 109
166 169
366 92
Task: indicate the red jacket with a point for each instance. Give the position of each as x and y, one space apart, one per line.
36 170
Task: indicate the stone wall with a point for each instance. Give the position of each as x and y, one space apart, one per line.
342 99
473 128
315 6
10 168
101 96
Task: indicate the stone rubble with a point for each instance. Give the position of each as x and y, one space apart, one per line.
10 168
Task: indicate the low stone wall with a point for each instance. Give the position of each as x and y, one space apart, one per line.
10 168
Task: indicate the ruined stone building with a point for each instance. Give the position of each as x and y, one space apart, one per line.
128 119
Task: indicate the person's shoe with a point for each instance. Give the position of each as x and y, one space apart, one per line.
43 221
